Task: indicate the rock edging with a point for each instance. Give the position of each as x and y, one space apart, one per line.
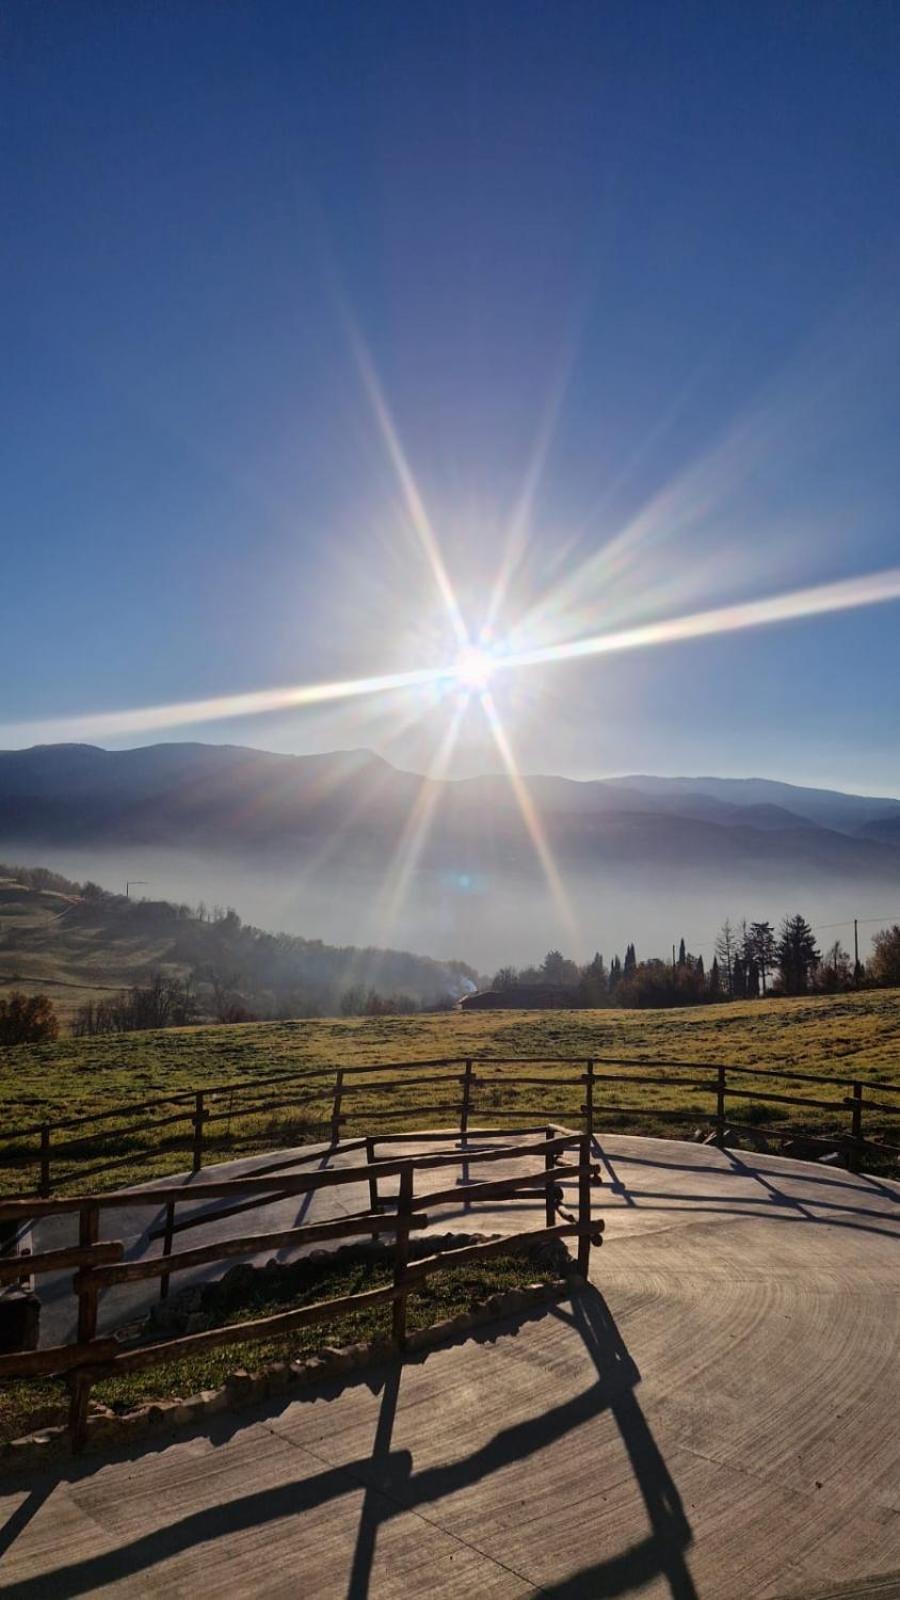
108 1430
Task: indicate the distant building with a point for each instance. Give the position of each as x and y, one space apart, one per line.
529 997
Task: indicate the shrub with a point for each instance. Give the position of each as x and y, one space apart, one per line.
27 1019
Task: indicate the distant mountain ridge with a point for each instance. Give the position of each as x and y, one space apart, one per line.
828 808
334 845
54 793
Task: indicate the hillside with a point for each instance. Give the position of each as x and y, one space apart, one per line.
79 946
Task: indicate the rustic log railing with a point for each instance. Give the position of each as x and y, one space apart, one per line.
91 1357
327 1102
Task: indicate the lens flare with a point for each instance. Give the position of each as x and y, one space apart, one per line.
874 588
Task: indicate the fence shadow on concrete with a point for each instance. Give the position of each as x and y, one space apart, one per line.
392 1488
772 1202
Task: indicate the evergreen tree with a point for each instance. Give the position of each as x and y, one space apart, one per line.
761 947
796 954
715 981
558 970
682 955
630 961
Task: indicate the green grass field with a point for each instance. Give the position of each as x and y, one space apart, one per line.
854 1036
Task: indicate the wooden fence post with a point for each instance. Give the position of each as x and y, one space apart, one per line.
44 1186
373 1179
88 1232
466 1103
336 1108
589 1101
198 1119
86 1288
401 1259
720 1106
854 1153
584 1207
464 1120
550 1203
167 1247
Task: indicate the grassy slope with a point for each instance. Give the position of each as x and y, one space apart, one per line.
44 945
850 1036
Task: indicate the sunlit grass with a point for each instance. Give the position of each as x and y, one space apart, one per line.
855 1036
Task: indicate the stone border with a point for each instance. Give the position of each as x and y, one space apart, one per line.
108 1430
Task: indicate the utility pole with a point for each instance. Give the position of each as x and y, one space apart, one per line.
856 952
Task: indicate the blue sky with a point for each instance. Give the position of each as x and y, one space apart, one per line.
627 276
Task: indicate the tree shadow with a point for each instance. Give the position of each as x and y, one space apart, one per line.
393 1489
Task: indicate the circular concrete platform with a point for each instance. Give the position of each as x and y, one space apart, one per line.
716 1416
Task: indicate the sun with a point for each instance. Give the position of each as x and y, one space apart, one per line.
472 669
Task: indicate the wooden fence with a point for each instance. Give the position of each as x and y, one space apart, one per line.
325 1103
100 1264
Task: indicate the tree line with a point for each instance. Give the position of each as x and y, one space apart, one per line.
750 960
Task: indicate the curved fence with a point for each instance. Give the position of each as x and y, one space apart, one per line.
88 1356
138 1140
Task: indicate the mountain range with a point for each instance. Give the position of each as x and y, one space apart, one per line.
346 846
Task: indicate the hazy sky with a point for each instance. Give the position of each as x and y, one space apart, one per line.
625 277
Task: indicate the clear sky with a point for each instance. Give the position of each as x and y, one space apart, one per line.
612 287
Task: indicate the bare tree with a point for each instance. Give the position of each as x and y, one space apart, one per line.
726 950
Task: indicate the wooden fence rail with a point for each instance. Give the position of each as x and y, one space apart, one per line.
100 1265
581 1092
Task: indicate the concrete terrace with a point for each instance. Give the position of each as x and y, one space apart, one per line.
716 1416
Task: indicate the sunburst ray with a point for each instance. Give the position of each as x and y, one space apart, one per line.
532 821
417 826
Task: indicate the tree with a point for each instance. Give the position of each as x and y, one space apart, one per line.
615 974
507 978
761 947
226 995
715 981
630 961
593 985
557 969
796 954
884 963
655 983
726 947
835 971
682 954
27 1019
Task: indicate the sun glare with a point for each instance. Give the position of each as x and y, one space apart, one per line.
472 669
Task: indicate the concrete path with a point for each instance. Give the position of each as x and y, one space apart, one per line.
716 1416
